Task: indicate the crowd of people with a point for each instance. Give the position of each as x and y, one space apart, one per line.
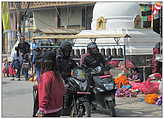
52 68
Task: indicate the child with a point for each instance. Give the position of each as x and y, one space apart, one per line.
5 67
12 71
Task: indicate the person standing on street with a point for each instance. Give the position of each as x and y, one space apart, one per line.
26 66
33 48
23 46
50 88
17 61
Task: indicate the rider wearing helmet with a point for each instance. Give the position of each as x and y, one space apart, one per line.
64 60
91 60
93 57
64 66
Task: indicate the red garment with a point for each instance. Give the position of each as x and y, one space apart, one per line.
114 63
51 92
11 70
156 51
3 68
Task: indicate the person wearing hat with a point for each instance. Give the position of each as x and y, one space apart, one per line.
64 65
50 88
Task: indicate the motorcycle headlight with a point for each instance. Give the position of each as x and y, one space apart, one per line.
100 90
109 86
83 85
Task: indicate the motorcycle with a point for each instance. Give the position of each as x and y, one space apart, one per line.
78 86
104 91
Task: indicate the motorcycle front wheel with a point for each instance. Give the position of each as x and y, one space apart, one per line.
111 108
81 110
87 110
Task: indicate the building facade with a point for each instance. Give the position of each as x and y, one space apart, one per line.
37 18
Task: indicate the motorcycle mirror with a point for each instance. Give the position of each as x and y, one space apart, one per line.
109 58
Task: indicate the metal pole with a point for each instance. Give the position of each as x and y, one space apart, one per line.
125 54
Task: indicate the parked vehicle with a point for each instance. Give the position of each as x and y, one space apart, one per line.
104 91
79 87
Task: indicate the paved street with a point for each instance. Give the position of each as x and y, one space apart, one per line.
17 101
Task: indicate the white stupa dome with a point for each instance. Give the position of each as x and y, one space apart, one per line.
117 14
111 18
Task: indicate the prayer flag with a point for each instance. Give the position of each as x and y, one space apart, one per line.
5 16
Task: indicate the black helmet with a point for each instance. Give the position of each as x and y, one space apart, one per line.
65 45
48 57
66 48
91 45
92 48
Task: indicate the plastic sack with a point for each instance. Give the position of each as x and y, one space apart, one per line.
151 98
125 92
149 87
159 101
135 85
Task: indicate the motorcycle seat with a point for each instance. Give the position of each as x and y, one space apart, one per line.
104 76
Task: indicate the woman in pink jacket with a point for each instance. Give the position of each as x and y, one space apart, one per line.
50 88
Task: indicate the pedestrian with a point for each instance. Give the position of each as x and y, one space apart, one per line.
23 46
12 71
65 64
5 67
50 88
37 63
26 66
17 62
33 48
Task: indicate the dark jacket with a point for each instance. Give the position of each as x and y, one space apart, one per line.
24 47
64 65
92 61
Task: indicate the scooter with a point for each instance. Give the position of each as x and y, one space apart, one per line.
104 91
78 86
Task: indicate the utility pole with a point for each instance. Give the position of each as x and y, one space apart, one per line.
24 18
18 12
21 19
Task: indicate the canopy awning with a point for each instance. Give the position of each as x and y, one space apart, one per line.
78 36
